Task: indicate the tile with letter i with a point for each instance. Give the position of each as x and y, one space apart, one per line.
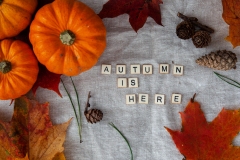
122 82
159 99
121 69
164 68
135 69
143 98
130 99
132 82
178 70
147 69
106 69
176 98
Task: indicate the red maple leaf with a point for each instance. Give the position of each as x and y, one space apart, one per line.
200 140
138 11
48 80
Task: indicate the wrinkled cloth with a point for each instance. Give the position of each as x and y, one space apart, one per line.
143 124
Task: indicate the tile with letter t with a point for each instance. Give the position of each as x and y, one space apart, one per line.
178 70
135 69
143 98
132 82
130 99
106 69
122 82
121 69
176 98
159 99
147 69
164 68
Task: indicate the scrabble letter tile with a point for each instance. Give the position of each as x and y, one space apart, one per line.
135 69
121 69
130 99
132 82
147 69
176 98
159 99
164 68
106 69
143 98
122 82
178 70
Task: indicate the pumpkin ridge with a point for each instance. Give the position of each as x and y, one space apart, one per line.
19 8
6 20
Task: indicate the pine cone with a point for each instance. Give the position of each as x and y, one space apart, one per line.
185 30
220 60
201 39
93 115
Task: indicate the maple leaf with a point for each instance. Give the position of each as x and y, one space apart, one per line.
30 134
48 80
231 15
138 11
200 140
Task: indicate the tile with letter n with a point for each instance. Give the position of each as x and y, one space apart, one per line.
147 69
176 98
143 98
106 69
130 99
178 70
122 82
121 69
159 99
164 68
133 82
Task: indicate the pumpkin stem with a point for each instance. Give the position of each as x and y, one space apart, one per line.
1 1
5 66
67 37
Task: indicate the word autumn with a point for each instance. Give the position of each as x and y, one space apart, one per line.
146 69
159 99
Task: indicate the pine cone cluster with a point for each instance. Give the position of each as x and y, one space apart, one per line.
185 30
219 60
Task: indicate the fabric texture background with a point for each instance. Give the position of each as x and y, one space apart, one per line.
143 124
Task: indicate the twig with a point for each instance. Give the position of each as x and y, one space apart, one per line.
111 124
195 22
228 80
88 104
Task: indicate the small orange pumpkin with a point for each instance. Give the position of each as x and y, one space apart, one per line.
15 16
18 68
67 37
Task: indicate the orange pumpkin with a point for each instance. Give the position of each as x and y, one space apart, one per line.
67 37
18 69
15 16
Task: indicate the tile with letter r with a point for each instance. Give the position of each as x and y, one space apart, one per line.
159 99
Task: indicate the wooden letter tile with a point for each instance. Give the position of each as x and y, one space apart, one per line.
121 69
132 82
143 98
135 69
176 98
130 99
164 68
178 70
106 69
147 69
122 82
159 99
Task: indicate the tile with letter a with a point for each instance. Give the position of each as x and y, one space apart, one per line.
121 69
159 99
143 98
178 70
176 98
130 99
106 69
147 69
122 82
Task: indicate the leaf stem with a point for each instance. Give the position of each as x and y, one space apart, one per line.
111 124
75 112
228 80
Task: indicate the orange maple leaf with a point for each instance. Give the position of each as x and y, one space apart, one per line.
200 140
231 15
30 134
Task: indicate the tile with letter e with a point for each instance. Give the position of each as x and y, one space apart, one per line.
132 82
178 70
106 69
130 99
121 69
135 69
159 99
143 98
164 68
147 69
176 98
122 82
